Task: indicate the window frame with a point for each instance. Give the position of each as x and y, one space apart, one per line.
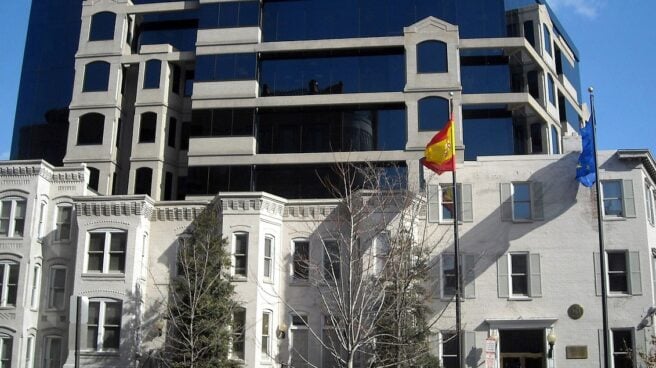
47 362
102 36
266 335
650 204
443 275
106 253
626 272
268 260
149 80
305 326
447 336
604 198
6 361
425 47
102 323
29 351
441 202
331 266
530 201
238 336
526 275
53 289
90 86
235 239
11 218
629 353
548 47
5 286
143 136
35 292
300 275
59 223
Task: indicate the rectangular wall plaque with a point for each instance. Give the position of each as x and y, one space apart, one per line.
576 352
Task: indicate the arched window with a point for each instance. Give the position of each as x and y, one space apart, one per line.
8 283
90 129
104 325
238 333
102 26
151 74
433 113
147 127
431 57
96 77
52 356
12 217
6 345
94 178
143 180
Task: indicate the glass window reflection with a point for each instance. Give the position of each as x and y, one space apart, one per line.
226 67
433 113
432 57
96 77
102 26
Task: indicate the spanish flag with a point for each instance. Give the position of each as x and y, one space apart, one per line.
440 153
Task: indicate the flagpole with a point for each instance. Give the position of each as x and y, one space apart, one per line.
456 241
600 225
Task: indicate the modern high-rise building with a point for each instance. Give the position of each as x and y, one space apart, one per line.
134 115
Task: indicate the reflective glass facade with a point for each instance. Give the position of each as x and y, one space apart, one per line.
484 71
288 20
177 28
41 125
487 131
354 71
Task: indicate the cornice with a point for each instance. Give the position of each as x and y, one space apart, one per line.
114 206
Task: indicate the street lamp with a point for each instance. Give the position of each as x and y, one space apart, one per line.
551 339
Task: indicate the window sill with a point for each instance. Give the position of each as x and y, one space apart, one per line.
8 307
2 237
104 276
615 294
235 278
614 218
520 298
523 221
299 282
268 281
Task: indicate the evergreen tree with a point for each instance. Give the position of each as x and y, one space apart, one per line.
201 302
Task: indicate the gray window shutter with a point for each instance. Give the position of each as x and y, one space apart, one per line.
433 203
535 278
641 341
469 351
506 202
469 277
465 208
634 268
537 205
597 270
502 276
600 338
627 198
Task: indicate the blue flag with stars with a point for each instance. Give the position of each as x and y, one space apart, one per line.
585 170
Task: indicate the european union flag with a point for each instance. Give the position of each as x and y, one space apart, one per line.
585 170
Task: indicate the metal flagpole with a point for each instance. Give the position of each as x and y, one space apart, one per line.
600 225
456 242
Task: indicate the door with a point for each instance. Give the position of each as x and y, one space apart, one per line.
522 348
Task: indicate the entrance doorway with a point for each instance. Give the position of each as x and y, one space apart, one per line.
522 348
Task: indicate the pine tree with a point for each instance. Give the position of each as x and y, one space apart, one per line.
201 302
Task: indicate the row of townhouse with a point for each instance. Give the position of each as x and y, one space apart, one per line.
528 240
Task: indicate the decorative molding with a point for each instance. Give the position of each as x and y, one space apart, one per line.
7 316
309 211
21 170
174 213
10 245
114 208
108 222
76 176
15 182
101 292
65 188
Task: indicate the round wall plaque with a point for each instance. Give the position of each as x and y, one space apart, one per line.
575 311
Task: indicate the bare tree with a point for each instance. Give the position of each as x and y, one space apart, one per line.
373 274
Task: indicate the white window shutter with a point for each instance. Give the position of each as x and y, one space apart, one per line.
502 276
506 202
628 198
469 276
634 268
535 277
465 208
597 270
537 201
433 203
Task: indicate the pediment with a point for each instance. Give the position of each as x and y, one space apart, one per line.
431 25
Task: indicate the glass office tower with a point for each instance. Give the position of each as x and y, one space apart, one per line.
181 99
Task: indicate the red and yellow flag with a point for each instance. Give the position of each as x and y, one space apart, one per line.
440 153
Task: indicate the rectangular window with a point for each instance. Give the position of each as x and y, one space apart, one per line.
29 352
442 200
612 196
12 218
450 349
649 203
104 325
226 67
547 40
42 214
57 289
299 340
175 84
521 198
447 201
6 344
622 348
238 333
266 335
52 356
36 279
152 73
241 254
268 258
64 216
519 276
449 277
8 283
173 129
618 280
551 89
301 259
331 261
106 252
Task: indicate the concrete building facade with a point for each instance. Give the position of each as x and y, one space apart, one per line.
175 104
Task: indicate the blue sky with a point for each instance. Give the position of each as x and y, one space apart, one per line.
616 40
